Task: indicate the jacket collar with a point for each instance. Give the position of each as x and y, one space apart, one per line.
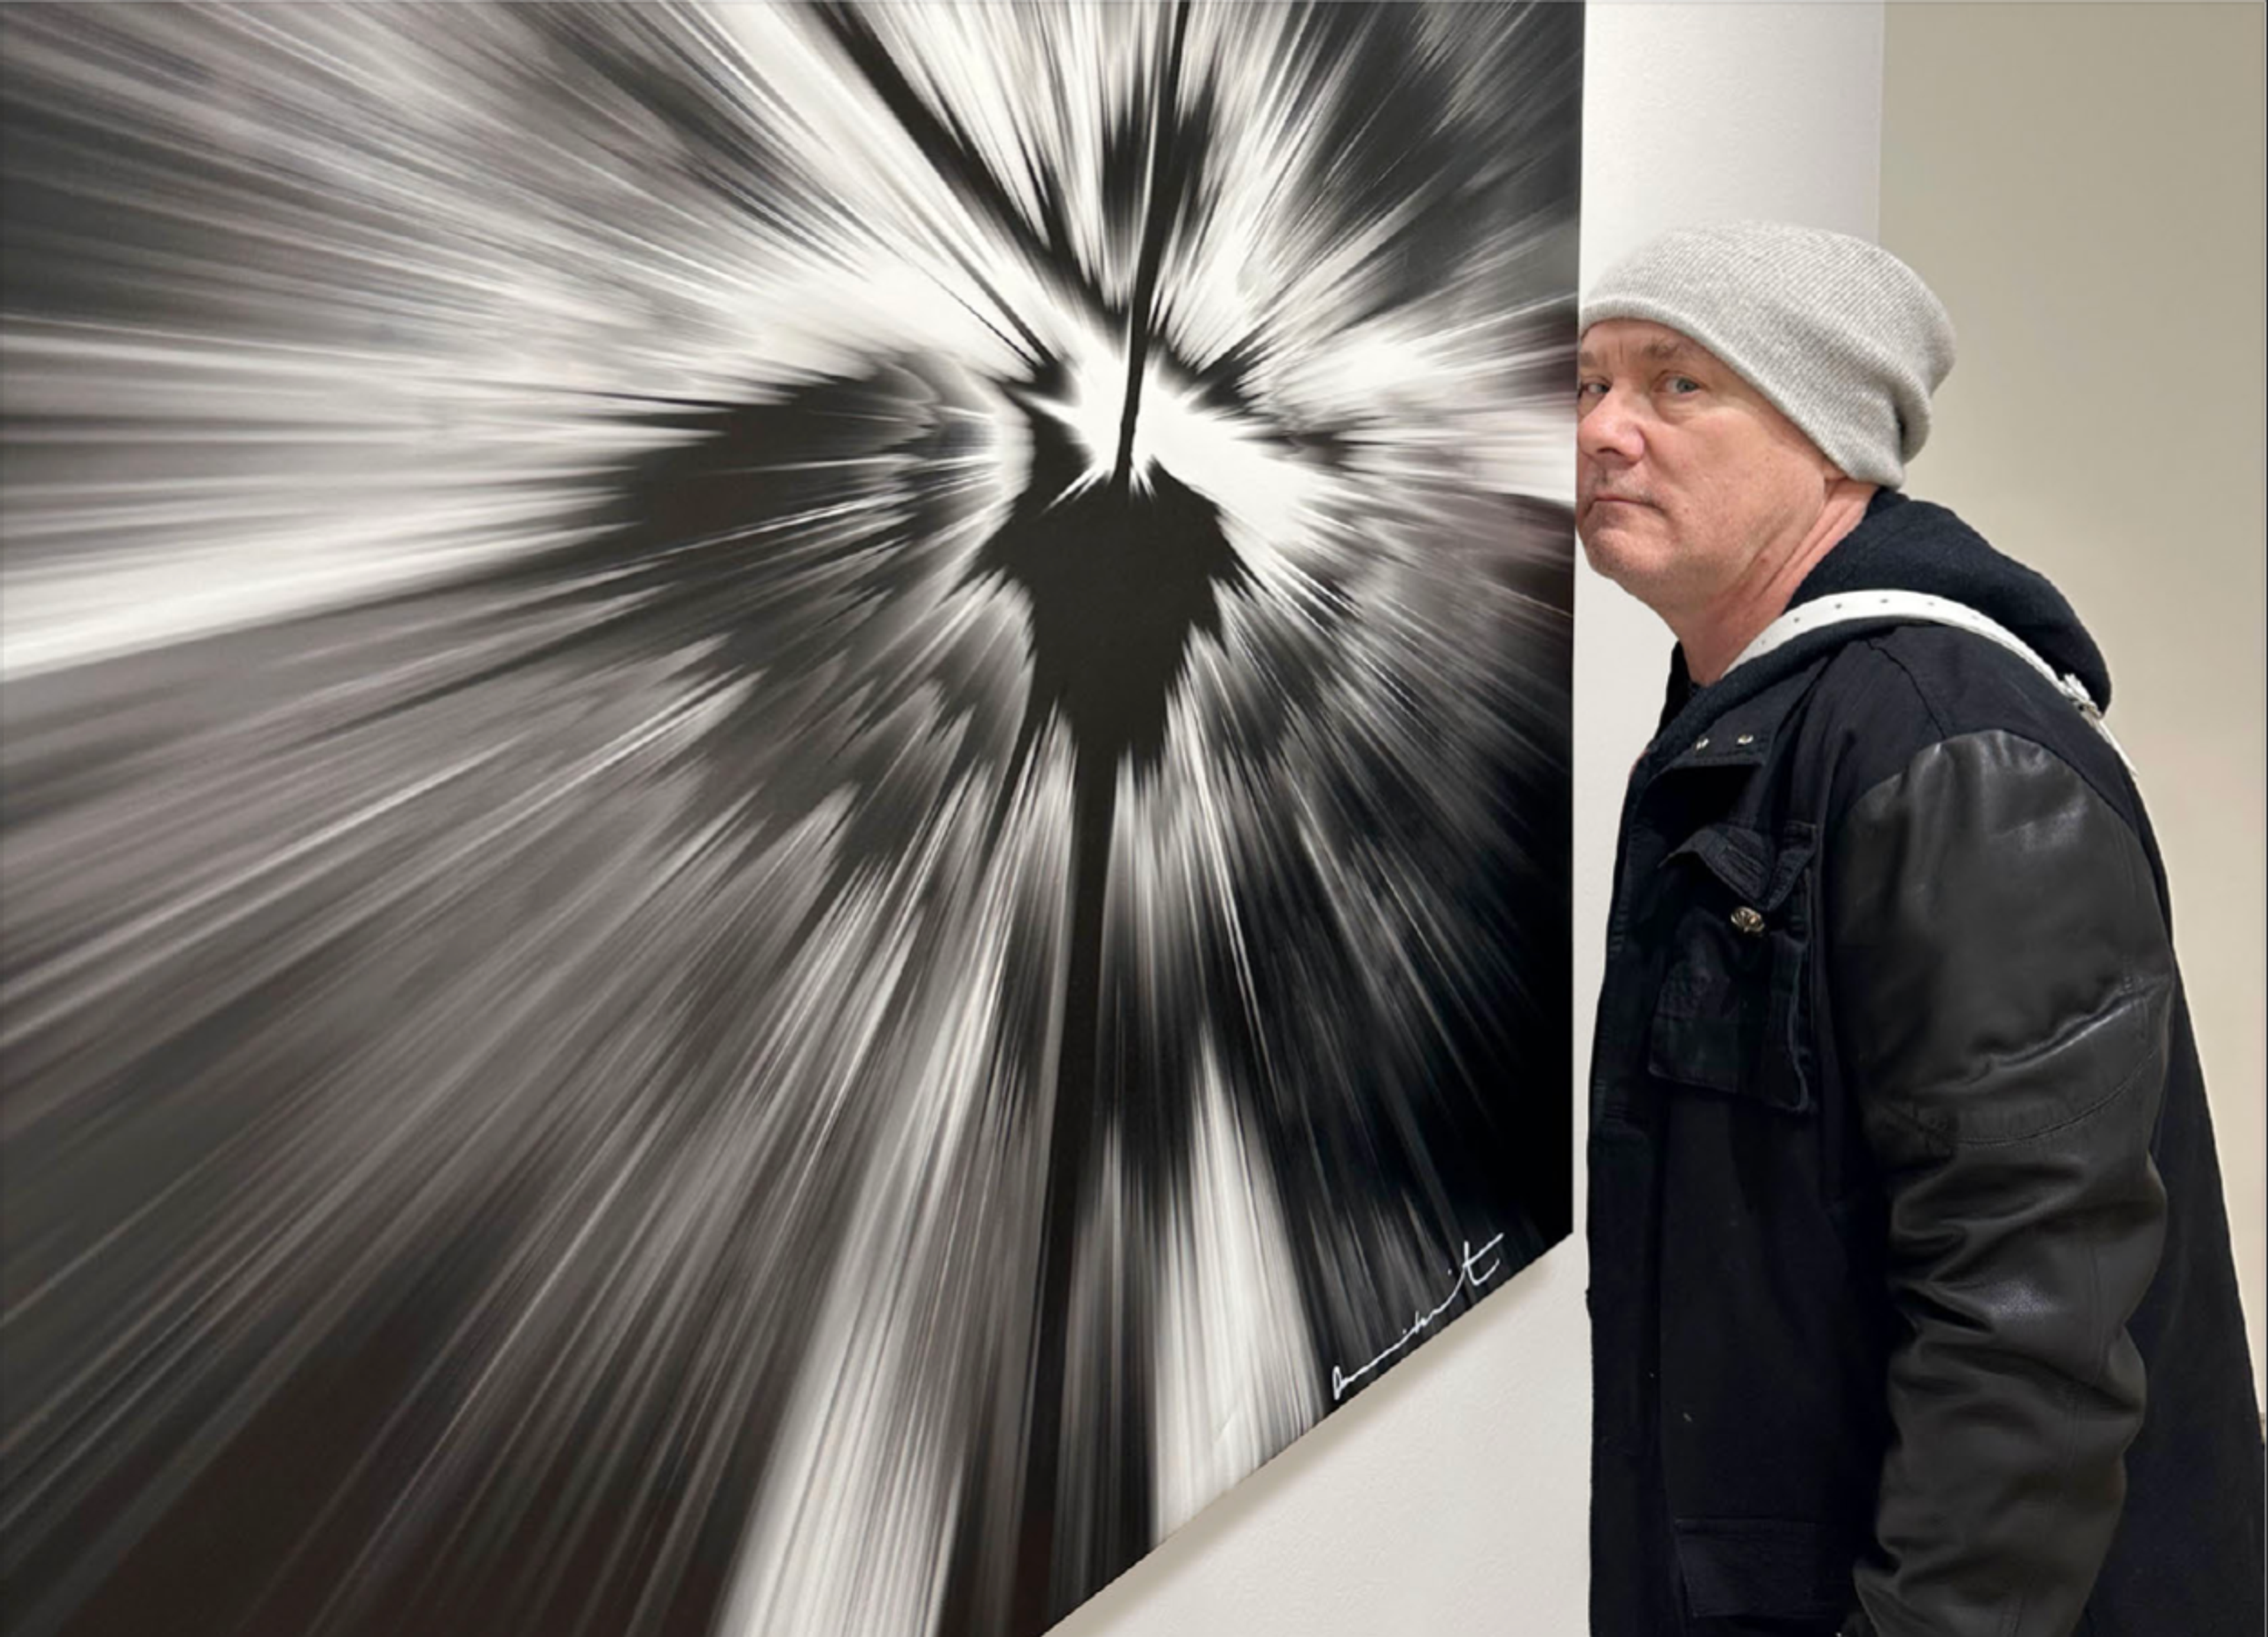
1734 722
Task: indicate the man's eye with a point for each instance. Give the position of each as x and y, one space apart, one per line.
1585 389
1683 384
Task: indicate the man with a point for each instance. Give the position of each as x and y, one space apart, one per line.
1913 1311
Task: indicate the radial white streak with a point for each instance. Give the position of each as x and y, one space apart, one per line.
676 716
916 292
860 1498
1237 1378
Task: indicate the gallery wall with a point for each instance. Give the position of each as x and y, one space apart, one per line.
2083 185
1453 1498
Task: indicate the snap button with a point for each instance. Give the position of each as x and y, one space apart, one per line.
1746 921
1746 739
1701 743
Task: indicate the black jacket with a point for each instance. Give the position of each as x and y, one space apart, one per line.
1911 1278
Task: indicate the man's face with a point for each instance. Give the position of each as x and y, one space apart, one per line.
1687 478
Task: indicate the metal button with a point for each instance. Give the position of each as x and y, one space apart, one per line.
1746 921
1746 739
1701 743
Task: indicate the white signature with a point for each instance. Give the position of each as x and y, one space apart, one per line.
1341 1381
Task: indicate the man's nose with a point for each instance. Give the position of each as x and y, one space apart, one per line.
1610 429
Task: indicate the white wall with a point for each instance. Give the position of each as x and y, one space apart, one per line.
2083 184
1454 1496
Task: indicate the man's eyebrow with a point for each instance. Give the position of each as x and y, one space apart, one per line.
1671 350
1660 349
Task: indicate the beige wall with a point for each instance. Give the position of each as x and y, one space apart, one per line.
2083 185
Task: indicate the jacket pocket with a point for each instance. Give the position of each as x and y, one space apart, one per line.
1730 1014
1764 1569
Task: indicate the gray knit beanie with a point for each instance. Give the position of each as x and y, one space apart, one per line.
1842 336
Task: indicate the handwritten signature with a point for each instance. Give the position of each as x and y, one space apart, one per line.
1342 1380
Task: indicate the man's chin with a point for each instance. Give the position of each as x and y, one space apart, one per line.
1640 561
1615 547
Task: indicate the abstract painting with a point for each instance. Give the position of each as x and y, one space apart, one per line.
785 819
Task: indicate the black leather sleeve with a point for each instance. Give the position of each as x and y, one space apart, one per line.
2001 980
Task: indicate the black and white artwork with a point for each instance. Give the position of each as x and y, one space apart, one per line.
783 790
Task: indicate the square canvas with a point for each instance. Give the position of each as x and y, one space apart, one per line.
785 788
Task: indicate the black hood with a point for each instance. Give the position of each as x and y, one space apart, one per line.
1910 545
1901 544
